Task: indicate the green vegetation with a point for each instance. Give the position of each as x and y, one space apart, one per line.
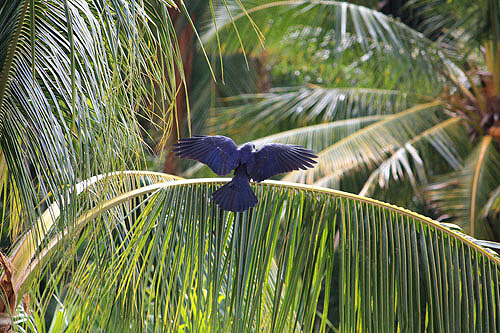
435 88
404 113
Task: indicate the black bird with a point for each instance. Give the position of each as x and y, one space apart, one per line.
222 155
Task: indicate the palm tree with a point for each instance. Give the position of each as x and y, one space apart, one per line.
138 251
407 115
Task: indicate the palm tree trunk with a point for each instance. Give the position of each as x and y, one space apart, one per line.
185 36
9 295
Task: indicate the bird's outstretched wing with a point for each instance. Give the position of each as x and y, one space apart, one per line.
275 158
220 153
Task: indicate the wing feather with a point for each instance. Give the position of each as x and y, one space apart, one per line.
220 153
275 158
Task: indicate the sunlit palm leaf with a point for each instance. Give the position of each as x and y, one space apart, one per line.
319 137
365 149
185 265
71 80
420 156
346 23
426 271
463 195
303 106
98 189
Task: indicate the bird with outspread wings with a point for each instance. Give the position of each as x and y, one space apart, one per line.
222 155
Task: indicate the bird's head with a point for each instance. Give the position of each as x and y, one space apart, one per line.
247 147
246 151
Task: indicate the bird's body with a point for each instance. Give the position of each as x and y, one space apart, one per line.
222 155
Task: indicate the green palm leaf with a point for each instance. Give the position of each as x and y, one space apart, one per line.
185 265
98 189
320 136
366 148
447 139
348 25
301 106
465 24
73 74
393 260
464 194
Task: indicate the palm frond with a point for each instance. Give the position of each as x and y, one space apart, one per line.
98 189
367 148
465 24
392 258
185 264
348 25
419 157
304 106
464 194
492 206
72 77
319 137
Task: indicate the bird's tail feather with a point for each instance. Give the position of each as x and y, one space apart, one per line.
236 196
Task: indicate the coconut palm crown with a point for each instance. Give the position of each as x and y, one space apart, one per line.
410 115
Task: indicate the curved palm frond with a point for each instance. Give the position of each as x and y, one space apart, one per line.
307 106
464 194
417 157
348 25
185 264
319 137
492 206
98 189
73 75
369 147
465 24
